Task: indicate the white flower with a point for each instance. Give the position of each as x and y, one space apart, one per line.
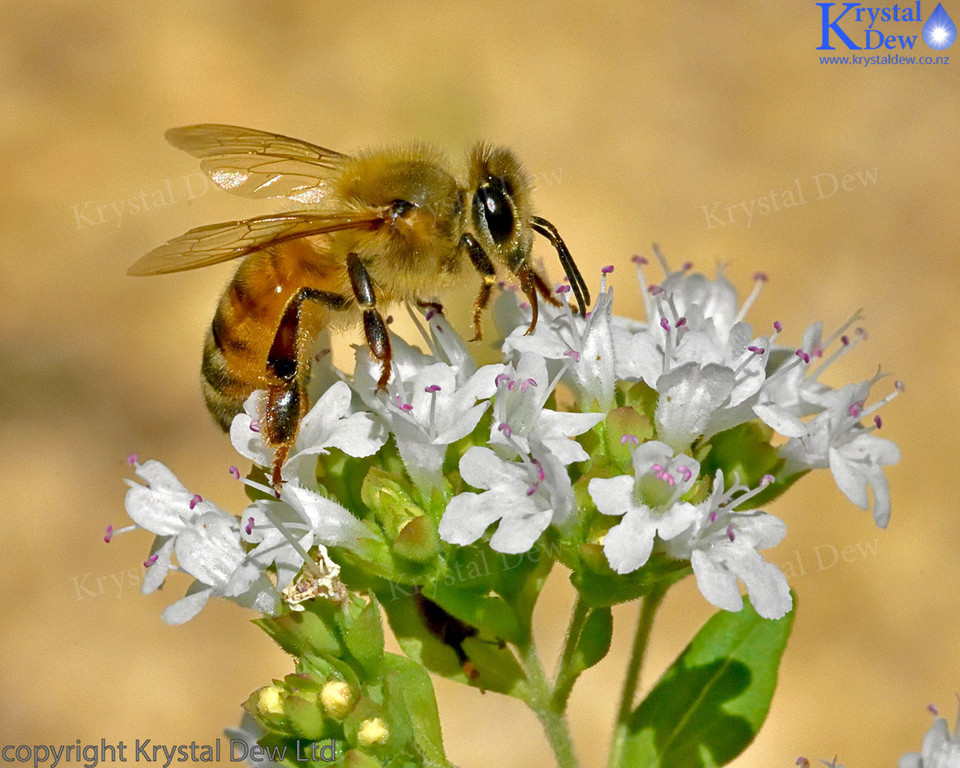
204 538
519 415
697 353
649 501
836 439
722 548
310 518
210 551
940 749
429 404
525 497
330 423
585 344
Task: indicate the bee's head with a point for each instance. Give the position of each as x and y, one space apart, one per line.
501 206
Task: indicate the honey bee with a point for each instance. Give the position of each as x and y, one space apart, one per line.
380 227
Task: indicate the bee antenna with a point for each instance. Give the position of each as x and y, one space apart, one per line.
580 289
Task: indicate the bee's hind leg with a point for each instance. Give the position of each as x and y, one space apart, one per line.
289 366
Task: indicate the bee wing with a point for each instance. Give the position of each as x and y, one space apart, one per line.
214 243
255 163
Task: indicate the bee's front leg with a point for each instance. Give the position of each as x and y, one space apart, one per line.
484 266
374 328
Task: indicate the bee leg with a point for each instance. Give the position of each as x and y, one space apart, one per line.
436 306
373 326
528 284
544 290
545 228
487 271
287 400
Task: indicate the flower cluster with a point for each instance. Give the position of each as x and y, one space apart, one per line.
651 441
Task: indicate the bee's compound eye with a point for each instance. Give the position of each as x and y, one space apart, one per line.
492 203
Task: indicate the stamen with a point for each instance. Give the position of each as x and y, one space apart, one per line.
632 439
681 322
150 560
539 466
687 266
878 421
527 383
255 425
606 270
249 526
655 290
431 313
533 489
730 533
766 480
506 429
133 459
854 409
195 499
760 278
432 388
899 385
108 534
777 326
501 377
235 472
563 289
802 355
685 472
665 324
572 353
639 260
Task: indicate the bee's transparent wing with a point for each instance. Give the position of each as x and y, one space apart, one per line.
255 163
214 243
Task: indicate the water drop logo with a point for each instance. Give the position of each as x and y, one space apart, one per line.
939 32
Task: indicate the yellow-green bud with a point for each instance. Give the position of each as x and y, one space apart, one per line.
270 701
373 731
337 699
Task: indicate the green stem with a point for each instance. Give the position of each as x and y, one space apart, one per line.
622 729
540 702
564 678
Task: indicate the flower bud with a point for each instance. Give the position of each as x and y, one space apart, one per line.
337 699
373 731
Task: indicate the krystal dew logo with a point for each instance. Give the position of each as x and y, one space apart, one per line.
859 27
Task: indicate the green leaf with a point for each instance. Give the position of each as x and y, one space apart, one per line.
299 632
595 638
599 585
744 449
305 717
710 704
364 639
409 690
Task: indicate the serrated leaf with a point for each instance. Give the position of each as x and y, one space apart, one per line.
710 704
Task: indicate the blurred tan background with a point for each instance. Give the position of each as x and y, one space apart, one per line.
637 119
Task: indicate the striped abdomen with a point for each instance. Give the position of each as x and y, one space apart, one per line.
252 322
